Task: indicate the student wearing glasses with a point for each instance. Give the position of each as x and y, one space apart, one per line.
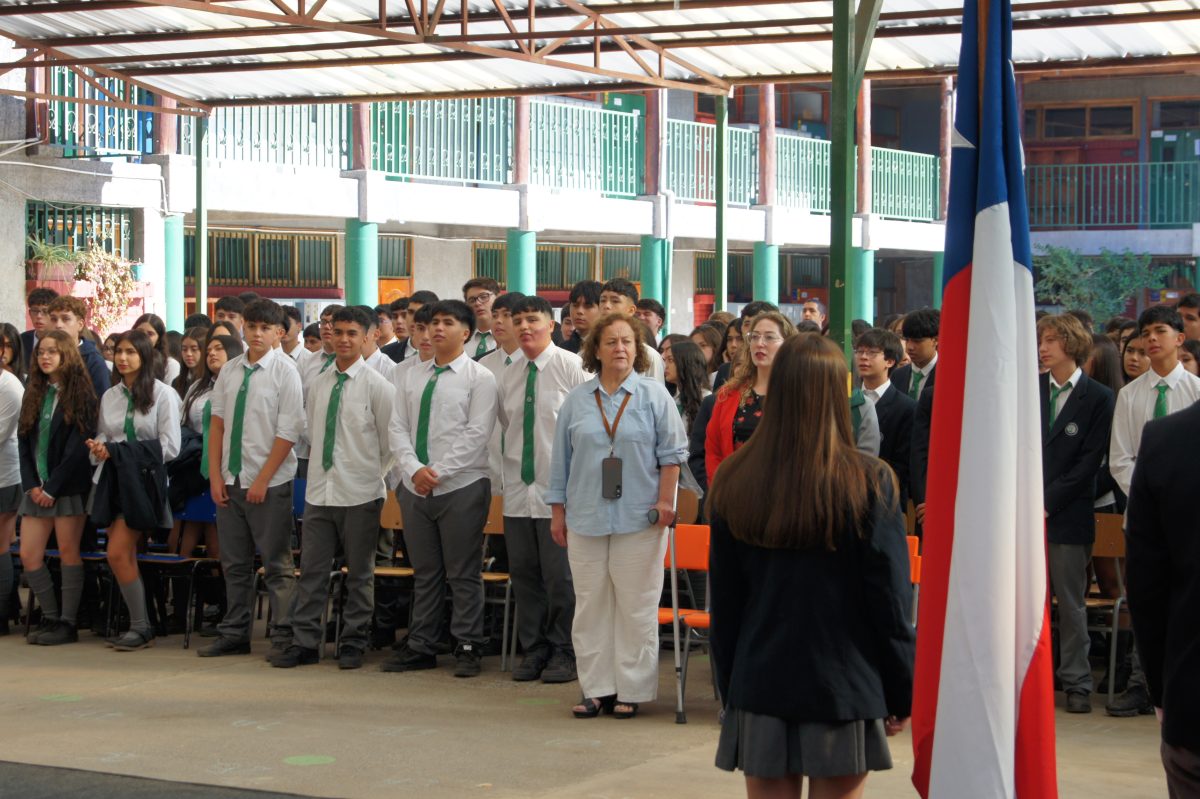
479 293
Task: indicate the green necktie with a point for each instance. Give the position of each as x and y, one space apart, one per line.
239 416
508 360
1055 391
527 429
205 421
423 420
43 439
331 416
483 347
914 390
329 359
1160 403
130 431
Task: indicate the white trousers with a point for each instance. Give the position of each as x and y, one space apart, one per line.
618 584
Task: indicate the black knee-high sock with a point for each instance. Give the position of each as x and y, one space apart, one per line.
43 587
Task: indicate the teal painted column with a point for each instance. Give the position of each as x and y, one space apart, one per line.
862 284
766 272
173 261
939 260
521 261
650 259
362 263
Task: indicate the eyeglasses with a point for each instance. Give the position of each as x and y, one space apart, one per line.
765 338
863 352
326 323
481 298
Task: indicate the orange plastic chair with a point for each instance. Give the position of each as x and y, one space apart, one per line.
687 551
914 567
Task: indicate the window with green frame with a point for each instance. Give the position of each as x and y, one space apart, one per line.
489 261
80 226
395 256
265 258
623 262
740 275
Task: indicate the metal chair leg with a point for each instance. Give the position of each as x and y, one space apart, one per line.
504 628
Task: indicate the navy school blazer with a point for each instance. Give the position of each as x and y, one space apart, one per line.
70 471
1072 451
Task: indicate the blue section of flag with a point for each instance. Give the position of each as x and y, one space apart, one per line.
986 165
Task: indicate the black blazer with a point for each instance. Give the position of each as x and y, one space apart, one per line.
901 378
918 457
812 635
70 471
895 411
722 376
395 350
1072 452
697 440
133 482
1163 570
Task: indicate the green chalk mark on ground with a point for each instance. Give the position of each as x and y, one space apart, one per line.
309 760
536 701
61 698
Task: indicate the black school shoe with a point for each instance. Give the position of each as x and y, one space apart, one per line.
409 660
560 669
350 658
63 632
224 646
531 666
133 641
467 661
295 656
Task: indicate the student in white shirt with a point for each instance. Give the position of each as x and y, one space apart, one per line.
479 293
419 299
292 339
444 415
383 320
166 368
348 409
620 296
257 416
532 390
139 408
1164 389
314 365
496 362
369 348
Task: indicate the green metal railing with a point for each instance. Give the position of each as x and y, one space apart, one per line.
1138 195
288 135
802 173
457 141
93 130
741 274
690 153
585 148
265 258
623 262
80 226
904 185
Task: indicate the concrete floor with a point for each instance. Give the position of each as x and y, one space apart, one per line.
165 713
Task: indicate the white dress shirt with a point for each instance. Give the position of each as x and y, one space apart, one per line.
496 362
472 345
1073 380
172 370
381 364
462 415
874 395
1135 407
274 409
160 422
299 355
657 369
310 368
559 371
195 416
12 393
361 451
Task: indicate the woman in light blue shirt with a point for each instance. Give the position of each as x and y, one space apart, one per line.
618 447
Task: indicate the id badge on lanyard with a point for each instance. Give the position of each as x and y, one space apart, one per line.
610 467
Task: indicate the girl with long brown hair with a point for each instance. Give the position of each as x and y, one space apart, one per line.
811 640
57 417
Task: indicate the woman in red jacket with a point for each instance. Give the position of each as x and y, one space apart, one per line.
740 401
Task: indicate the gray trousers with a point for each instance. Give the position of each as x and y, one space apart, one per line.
241 528
541 578
1183 771
1069 581
356 528
444 536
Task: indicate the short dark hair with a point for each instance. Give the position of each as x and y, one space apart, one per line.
858 327
370 312
1089 324
230 305
922 324
40 296
586 290
197 320
312 331
653 306
358 315
457 310
620 285
400 304
880 338
266 312
753 309
332 308
807 326
485 283
424 297
1160 315
507 301
292 312
383 308
424 314
1190 300
530 303
249 296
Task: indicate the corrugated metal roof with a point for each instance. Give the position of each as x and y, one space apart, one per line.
236 51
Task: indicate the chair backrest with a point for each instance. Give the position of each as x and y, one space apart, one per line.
1110 536
687 507
910 518
914 559
495 518
691 548
389 516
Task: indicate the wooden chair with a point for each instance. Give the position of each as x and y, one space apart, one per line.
501 581
1104 613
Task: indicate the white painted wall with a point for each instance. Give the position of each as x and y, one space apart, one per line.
442 266
683 283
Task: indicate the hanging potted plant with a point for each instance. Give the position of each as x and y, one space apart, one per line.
49 262
112 282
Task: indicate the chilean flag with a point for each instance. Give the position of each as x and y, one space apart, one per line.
983 710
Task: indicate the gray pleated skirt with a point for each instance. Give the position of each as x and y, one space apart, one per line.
63 506
771 747
10 498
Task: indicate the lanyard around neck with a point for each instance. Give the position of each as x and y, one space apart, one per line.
611 429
